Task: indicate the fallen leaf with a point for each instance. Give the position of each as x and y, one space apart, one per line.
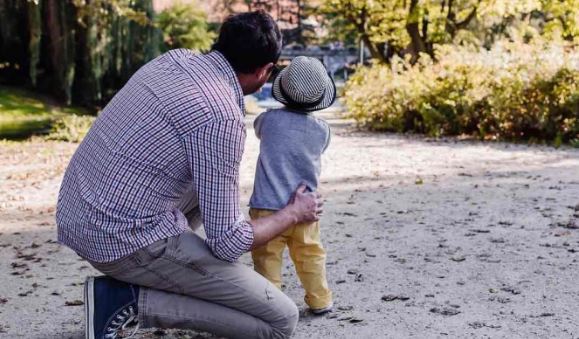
74 303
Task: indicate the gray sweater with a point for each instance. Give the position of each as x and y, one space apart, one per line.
290 153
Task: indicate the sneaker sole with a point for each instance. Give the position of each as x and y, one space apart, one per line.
322 311
89 307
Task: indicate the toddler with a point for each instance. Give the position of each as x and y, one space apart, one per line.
292 142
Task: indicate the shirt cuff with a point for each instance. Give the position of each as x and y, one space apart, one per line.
234 243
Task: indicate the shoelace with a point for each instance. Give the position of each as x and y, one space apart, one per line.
119 325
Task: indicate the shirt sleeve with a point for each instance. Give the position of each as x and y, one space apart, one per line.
257 123
328 136
216 151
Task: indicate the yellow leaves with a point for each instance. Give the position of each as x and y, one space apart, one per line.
386 21
513 92
503 8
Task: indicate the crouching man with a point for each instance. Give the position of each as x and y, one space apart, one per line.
164 154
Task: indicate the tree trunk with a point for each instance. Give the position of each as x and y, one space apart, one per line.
80 54
61 45
35 33
418 40
373 48
417 45
360 24
13 42
452 26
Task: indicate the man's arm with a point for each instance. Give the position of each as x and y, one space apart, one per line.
304 206
257 124
328 136
216 150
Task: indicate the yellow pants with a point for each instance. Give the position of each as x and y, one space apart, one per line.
308 256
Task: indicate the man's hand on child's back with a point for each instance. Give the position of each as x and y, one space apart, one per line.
303 207
306 206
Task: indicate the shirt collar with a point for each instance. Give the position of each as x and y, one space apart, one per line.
224 67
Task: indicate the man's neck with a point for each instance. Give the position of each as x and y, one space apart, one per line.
247 82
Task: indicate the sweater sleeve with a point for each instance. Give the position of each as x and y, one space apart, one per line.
258 123
328 136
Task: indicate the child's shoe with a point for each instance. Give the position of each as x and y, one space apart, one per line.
324 310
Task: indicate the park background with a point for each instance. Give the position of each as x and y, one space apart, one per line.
451 182
490 69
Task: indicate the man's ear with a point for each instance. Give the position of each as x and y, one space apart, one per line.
265 70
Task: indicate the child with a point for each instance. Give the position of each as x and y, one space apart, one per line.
292 142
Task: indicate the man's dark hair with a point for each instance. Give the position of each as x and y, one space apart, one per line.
249 41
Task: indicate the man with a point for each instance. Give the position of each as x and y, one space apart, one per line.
165 151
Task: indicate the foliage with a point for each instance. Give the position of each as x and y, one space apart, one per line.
561 18
397 27
514 91
414 25
71 128
77 50
185 26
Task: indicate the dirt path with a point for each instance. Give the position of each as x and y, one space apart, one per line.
425 239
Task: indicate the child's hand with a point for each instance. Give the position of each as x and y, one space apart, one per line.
305 205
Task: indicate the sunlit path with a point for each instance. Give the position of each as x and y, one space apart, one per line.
424 238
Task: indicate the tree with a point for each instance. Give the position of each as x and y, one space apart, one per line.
389 27
185 26
561 18
77 50
403 26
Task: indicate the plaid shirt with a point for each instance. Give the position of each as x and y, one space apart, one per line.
175 128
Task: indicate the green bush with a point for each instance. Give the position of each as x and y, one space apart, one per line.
185 26
71 128
514 92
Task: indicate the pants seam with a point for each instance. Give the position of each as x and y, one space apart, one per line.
172 317
163 277
143 298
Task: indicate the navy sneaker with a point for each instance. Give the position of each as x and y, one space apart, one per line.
110 308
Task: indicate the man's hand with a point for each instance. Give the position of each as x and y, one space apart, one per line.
305 206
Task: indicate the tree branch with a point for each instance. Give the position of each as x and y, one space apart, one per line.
467 20
450 13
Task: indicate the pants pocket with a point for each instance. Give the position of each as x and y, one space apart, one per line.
156 249
190 251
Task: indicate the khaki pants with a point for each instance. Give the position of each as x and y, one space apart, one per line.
184 286
308 256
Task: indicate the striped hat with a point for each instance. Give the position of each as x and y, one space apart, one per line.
304 85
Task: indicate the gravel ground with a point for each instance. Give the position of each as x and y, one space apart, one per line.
425 239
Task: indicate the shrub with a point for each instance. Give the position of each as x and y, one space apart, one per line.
185 26
516 92
71 128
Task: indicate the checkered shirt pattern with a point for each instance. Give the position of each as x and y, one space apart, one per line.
176 127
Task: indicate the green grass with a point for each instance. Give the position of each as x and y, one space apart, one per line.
23 113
